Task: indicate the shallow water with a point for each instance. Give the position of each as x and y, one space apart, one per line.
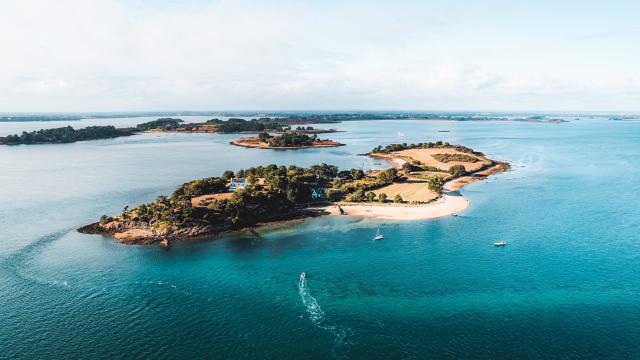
566 285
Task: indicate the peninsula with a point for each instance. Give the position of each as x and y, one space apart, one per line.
431 175
414 188
291 140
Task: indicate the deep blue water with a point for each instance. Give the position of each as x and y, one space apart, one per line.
566 286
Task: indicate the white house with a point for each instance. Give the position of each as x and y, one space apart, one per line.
317 193
237 183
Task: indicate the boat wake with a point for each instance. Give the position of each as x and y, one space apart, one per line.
316 315
15 263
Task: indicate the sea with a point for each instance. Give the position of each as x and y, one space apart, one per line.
566 286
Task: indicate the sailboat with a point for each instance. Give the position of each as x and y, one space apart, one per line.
378 235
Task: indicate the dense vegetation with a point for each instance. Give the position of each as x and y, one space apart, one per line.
258 125
263 124
239 125
162 123
282 190
272 192
292 140
66 134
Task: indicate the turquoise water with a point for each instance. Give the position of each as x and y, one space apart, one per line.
566 286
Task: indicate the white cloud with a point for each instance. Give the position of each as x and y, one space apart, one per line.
74 55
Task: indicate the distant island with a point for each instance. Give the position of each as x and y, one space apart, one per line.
278 123
290 140
68 134
416 186
237 125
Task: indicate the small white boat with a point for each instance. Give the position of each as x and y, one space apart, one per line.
500 243
302 276
378 235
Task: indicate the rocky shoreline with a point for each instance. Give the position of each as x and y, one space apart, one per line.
135 232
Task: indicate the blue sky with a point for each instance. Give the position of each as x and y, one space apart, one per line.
74 55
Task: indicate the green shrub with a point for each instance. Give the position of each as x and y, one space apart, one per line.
371 196
457 170
445 158
435 183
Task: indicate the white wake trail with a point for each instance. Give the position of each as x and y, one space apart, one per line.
316 315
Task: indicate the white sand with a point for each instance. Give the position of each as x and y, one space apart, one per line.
446 205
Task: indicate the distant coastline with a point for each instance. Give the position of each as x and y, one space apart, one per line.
68 134
310 117
278 122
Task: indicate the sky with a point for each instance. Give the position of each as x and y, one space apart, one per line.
490 55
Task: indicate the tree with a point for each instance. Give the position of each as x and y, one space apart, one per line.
435 183
371 196
358 195
357 174
345 175
264 136
407 166
457 170
382 197
228 174
387 176
397 198
298 192
125 212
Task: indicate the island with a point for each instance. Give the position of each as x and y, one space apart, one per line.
68 134
280 123
421 184
237 125
291 140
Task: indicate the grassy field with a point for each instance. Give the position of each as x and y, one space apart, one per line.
410 191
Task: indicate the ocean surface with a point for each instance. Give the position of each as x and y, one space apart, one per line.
566 286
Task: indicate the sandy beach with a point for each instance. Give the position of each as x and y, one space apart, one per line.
444 206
